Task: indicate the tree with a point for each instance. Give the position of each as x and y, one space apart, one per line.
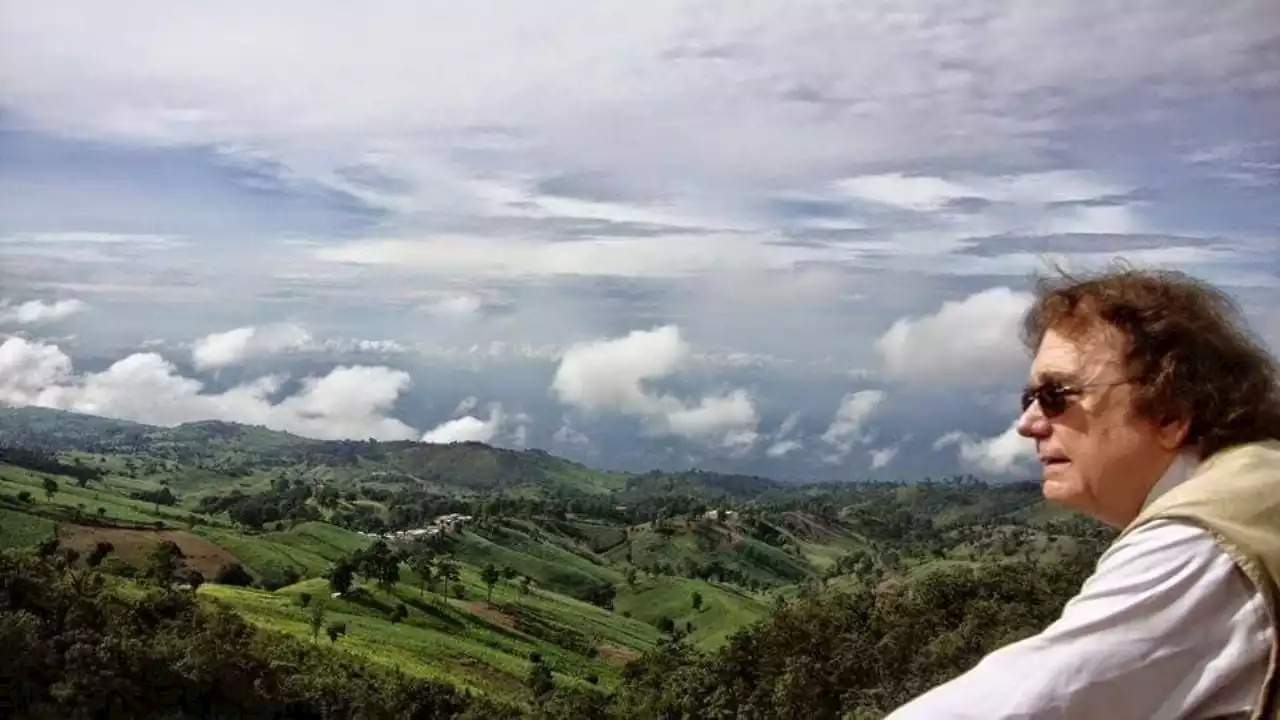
233 574
380 564
447 572
99 553
697 600
540 680
316 619
163 562
422 567
399 613
50 487
193 578
340 576
490 576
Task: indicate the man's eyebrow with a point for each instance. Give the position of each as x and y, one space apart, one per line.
1059 376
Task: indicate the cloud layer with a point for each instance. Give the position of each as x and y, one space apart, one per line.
348 402
614 375
782 238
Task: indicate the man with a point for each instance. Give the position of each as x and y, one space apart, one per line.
1153 411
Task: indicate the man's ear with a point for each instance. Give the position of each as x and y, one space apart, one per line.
1173 433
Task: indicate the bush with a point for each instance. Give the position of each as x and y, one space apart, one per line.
233 574
83 647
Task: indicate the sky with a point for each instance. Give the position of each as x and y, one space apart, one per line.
784 238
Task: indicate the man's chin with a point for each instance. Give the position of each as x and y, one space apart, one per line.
1059 491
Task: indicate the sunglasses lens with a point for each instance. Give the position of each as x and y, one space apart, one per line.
1052 399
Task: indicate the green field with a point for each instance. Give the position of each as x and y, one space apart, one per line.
309 549
466 642
724 609
18 529
70 498
547 563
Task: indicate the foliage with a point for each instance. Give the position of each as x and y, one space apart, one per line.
79 645
854 654
233 574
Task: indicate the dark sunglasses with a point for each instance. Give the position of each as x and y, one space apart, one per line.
1053 395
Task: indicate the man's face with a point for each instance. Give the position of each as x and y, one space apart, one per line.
1098 456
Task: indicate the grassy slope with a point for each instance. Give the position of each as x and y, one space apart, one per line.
549 564
18 529
724 609
310 548
466 642
118 507
703 542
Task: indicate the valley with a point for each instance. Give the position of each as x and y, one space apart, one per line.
518 578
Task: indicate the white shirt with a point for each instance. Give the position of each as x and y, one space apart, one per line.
1166 627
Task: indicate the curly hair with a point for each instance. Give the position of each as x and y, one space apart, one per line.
1189 350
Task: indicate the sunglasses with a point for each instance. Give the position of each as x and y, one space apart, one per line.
1053 395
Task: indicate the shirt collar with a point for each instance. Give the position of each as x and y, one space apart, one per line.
1180 470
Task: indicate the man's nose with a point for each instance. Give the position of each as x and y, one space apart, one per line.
1032 423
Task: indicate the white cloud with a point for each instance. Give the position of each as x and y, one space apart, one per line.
567 435
456 307
881 457
928 193
38 312
1004 454
782 448
611 375
466 405
741 90
501 257
784 445
851 417
974 340
468 428
348 402
219 350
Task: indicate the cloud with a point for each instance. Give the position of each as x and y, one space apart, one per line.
881 457
971 341
1005 454
220 350
669 256
39 312
468 428
782 448
926 193
348 402
846 427
568 436
783 444
466 405
611 375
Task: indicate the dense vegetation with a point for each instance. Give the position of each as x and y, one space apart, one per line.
529 586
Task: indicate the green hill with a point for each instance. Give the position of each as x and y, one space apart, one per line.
687 547
724 610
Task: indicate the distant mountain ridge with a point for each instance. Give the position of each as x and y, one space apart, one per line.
469 466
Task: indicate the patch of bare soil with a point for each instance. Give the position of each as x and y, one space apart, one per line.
489 612
615 655
132 546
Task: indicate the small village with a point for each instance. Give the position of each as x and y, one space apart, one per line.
444 524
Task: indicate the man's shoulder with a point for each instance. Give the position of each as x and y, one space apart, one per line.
1165 553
